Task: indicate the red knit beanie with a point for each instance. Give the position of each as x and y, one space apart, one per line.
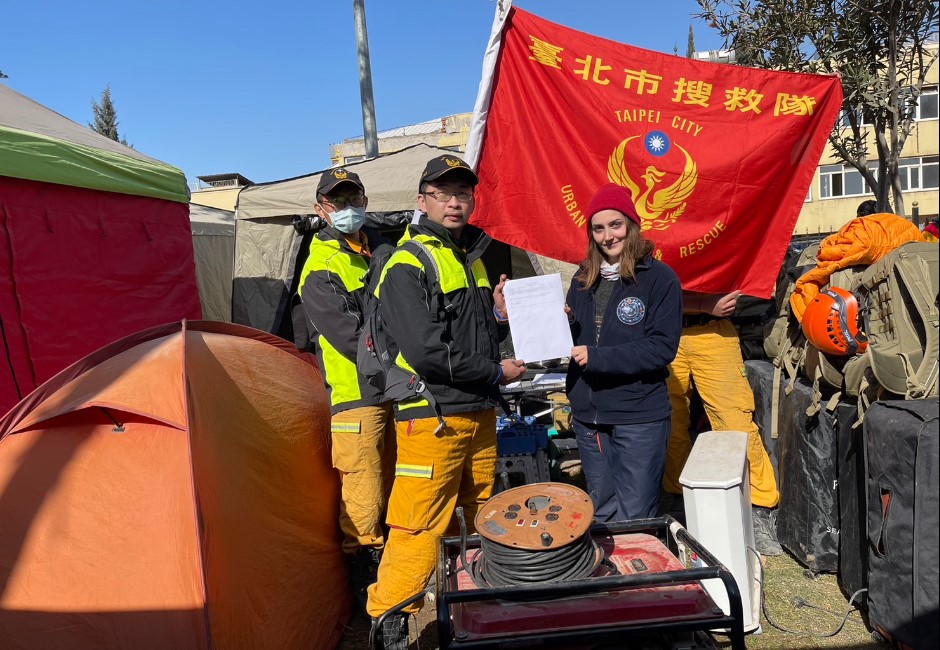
612 197
932 228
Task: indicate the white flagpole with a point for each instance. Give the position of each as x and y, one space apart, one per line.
484 93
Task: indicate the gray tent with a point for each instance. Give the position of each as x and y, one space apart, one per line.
267 247
214 251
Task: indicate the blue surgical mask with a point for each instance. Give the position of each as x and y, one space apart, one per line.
349 219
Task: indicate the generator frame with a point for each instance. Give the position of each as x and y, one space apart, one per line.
666 529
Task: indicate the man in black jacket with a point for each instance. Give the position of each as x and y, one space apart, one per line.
448 335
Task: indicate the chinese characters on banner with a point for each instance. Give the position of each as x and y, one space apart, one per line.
718 158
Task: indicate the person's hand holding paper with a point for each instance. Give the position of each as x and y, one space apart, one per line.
537 320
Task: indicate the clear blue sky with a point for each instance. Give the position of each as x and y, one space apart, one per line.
263 88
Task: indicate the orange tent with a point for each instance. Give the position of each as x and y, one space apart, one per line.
173 490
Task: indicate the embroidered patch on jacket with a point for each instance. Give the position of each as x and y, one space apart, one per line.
631 310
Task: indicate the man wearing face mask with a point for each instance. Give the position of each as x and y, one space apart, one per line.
362 424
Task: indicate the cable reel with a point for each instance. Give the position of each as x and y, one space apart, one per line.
535 534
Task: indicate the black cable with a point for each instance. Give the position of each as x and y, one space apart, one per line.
497 565
802 603
464 564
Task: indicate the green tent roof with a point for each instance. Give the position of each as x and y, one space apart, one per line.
38 144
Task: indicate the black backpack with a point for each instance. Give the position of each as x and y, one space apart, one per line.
375 356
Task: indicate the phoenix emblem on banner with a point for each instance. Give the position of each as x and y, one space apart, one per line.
658 205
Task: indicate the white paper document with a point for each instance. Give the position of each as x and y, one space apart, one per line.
537 318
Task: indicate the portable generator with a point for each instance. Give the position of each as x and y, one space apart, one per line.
539 573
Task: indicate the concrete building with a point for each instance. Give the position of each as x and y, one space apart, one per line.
449 132
838 188
218 190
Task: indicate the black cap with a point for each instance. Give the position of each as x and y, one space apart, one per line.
445 164
333 177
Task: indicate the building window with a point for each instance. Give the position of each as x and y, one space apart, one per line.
862 119
915 174
841 180
927 108
919 173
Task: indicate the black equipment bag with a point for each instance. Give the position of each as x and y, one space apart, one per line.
853 524
808 516
760 375
902 457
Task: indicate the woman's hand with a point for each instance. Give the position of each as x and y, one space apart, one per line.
579 354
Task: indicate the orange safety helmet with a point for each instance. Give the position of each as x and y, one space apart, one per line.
830 322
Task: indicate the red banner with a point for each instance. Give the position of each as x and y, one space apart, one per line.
718 158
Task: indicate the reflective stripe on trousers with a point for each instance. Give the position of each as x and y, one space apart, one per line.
435 473
364 454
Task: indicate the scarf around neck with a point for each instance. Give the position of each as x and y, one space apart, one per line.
610 272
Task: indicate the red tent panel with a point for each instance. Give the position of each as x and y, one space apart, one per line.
81 268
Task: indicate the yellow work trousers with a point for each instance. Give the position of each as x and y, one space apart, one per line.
364 455
435 473
710 354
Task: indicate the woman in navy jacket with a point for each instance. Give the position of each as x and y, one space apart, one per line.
625 310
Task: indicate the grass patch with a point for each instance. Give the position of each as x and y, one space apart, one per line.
811 605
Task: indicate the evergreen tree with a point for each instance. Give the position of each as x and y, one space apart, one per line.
881 49
106 122
690 48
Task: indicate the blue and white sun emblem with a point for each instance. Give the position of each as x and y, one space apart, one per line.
657 143
631 310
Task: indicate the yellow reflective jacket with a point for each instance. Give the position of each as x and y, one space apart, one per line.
331 293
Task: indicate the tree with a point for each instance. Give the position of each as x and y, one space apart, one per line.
690 48
106 122
880 48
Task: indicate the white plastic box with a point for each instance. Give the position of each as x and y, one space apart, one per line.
716 490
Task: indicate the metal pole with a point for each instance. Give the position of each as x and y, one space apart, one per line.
365 81
915 214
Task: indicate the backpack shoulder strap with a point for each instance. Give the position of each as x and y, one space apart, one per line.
423 253
431 267
373 276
